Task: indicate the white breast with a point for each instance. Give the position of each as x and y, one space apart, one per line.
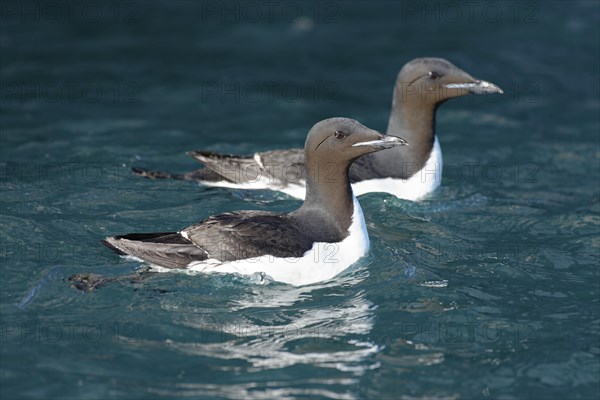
322 262
417 186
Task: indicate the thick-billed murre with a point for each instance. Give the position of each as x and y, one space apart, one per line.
408 173
317 241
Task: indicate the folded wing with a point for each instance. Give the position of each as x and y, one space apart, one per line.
224 237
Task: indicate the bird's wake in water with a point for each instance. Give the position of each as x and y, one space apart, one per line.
54 274
423 209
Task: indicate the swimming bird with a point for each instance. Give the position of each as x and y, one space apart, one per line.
317 241
407 173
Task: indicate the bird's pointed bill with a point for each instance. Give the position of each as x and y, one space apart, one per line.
385 143
477 87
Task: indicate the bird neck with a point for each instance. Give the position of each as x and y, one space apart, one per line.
413 119
329 200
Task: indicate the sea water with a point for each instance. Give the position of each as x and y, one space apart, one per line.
487 288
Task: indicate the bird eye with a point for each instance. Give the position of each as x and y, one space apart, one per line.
340 134
434 76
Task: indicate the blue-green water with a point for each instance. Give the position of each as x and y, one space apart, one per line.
488 289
